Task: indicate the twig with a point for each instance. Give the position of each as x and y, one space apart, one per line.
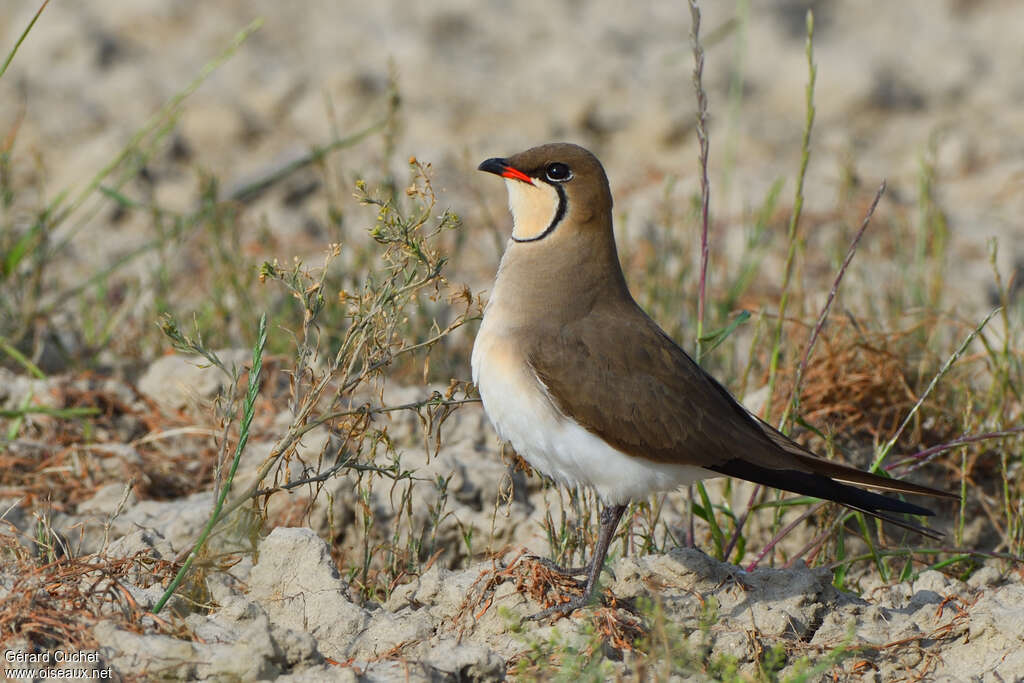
171 433
794 399
740 523
782 534
252 190
923 457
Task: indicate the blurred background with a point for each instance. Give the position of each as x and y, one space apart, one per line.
927 95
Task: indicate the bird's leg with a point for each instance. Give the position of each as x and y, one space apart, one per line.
691 538
610 517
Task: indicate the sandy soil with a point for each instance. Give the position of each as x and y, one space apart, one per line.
281 607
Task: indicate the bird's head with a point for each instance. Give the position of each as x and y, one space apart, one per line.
553 186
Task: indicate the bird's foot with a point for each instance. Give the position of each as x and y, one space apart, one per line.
738 576
559 569
561 610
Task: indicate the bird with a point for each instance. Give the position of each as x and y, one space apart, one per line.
592 393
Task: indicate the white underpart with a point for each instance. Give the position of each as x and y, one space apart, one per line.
523 414
533 207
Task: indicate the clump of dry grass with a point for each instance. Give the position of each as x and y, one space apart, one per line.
63 462
860 384
54 604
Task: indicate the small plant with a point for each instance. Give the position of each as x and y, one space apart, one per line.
386 322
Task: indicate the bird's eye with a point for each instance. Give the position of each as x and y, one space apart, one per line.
558 172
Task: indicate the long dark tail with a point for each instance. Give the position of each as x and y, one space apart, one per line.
822 486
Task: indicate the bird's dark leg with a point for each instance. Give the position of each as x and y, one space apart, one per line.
610 517
691 538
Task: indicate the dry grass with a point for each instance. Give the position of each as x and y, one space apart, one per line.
55 604
64 461
861 383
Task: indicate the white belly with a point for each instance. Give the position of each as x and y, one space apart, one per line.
522 413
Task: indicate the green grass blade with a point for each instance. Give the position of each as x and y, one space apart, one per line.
794 221
842 566
709 517
950 362
248 410
68 413
15 426
21 359
21 38
877 557
119 198
711 340
13 258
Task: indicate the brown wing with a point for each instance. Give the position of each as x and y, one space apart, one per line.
648 398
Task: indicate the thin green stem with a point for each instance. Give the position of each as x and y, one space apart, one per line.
794 220
248 410
21 38
883 453
84 411
21 359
